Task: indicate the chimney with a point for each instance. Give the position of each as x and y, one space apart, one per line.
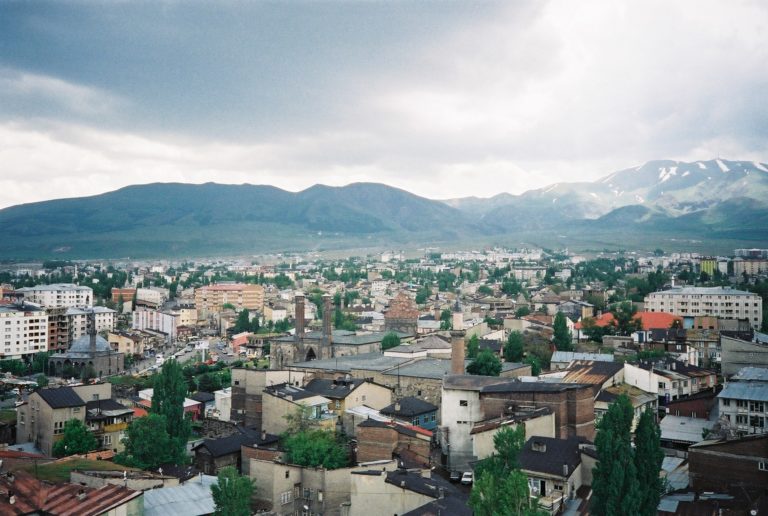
263 435
565 470
457 318
397 406
299 317
327 317
457 352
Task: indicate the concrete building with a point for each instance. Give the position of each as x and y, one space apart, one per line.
23 330
89 354
59 295
722 302
42 418
286 489
210 299
738 353
750 266
81 318
248 387
744 401
160 321
735 465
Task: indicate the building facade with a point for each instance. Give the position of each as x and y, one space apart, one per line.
23 330
210 299
59 295
722 302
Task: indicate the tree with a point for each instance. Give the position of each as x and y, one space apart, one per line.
594 332
513 350
77 439
648 459
40 362
624 321
563 339
170 389
390 341
473 346
313 448
522 312
485 290
41 380
147 444
208 382
535 365
500 487
614 478
243 322
232 493
486 364
446 319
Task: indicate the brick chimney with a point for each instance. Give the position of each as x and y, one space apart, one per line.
457 352
299 317
327 317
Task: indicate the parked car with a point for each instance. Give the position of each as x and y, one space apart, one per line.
466 478
455 476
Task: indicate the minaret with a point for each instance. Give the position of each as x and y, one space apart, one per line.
299 317
327 317
92 330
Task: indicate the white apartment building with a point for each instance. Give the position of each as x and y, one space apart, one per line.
78 320
59 295
722 302
164 322
744 401
23 330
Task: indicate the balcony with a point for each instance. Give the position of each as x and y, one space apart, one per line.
115 427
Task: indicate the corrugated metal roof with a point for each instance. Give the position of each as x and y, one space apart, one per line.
683 429
194 498
751 373
745 391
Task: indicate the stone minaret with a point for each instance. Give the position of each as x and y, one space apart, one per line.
92 331
457 352
299 317
327 318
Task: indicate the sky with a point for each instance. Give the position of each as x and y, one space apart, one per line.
444 99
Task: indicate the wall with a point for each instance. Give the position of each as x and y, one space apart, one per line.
372 496
247 388
640 378
734 463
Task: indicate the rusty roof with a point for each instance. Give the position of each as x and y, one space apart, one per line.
31 495
591 372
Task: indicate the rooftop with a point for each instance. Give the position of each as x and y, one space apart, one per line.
749 374
716 291
193 498
409 407
550 455
568 356
751 391
61 397
683 429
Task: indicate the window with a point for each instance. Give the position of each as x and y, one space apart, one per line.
726 402
762 466
287 474
463 403
741 419
756 421
285 497
756 406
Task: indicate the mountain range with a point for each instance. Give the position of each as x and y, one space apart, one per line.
718 203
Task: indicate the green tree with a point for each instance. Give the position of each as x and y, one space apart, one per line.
170 389
42 380
313 448
473 346
513 350
485 290
232 493
77 439
500 488
446 319
624 321
147 444
486 364
390 341
40 362
563 339
208 382
614 478
422 295
648 459
522 312
243 322
535 364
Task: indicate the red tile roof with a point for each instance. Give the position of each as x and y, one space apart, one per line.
650 320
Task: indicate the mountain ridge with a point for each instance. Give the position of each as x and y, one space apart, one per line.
662 199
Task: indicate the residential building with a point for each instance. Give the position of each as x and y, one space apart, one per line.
724 302
248 387
80 320
23 330
211 455
160 321
750 266
281 402
382 440
288 489
413 411
375 492
734 465
737 353
42 418
744 401
562 359
128 343
59 295
211 298
556 469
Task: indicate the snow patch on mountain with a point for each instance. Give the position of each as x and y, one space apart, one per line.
686 173
701 165
759 166
722 166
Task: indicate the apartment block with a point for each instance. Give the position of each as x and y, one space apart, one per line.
722 302
23 330
211 298
59 295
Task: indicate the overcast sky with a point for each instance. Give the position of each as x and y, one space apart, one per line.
444 99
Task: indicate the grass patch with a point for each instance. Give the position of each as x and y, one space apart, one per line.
8 416
59 471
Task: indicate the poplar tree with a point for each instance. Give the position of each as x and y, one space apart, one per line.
563 339
170 390
648 459
614 479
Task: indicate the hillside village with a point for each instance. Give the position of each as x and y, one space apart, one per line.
381 384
